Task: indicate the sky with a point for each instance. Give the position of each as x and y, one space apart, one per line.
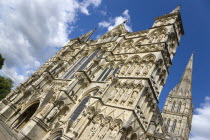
32 31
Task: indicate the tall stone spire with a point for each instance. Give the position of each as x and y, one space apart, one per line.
185 83
178 108
85 37
177 9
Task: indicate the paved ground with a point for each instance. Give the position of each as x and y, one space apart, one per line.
6 133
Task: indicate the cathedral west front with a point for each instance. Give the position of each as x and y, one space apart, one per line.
105 89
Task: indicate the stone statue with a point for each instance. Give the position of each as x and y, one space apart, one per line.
52 113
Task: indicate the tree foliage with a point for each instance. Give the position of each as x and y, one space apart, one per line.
1 61
5 86
5 83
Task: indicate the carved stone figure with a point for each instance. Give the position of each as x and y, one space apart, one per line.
52 113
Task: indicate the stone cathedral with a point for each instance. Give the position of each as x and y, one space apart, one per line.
107 89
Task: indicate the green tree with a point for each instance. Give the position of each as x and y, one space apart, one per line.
5 86
5 83
1 61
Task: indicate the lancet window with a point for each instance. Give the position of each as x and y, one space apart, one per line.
80 108
173 126
73 68
173 106
79 65
167 124
107 72
179 107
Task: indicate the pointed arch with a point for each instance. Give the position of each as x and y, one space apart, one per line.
134 136
90 92
158 34
134 57
149 57
126 46
139 42
56 135
26 115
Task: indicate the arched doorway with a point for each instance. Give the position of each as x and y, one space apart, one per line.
25 116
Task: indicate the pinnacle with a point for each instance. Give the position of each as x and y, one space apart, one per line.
177 9
85 37
190 63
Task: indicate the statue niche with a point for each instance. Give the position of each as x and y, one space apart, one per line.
52 113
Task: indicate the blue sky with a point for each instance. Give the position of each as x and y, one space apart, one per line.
32 31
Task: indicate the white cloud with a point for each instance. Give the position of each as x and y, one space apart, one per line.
201 122
111 23
102 12
86 3
32 31
104 24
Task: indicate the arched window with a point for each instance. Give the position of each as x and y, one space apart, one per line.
167 124
173 106
179 107
81 107
173 127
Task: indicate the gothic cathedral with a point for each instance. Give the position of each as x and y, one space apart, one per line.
107 89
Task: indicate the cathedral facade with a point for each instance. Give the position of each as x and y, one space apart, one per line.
107 89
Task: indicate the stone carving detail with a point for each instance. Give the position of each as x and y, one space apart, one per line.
136 66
